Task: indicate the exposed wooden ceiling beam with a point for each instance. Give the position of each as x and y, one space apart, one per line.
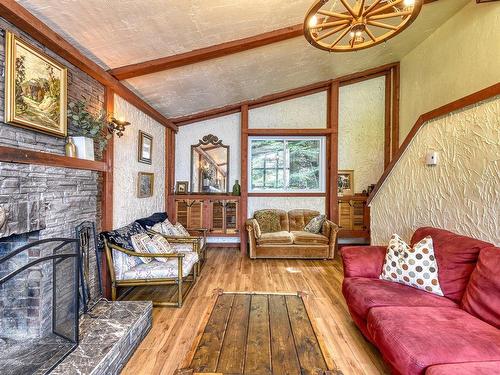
24 20
207 53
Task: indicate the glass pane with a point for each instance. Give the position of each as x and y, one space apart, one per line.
304 164
257 178
267 159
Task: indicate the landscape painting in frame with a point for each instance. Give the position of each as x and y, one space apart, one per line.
35 88
145 185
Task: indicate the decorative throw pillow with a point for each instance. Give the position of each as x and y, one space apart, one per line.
160 245
169 229
122 236
413 266
141 243
182 230
269 221
158 228
315 224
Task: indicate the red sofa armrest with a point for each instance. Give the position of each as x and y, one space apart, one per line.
363 261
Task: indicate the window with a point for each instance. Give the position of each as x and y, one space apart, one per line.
288 164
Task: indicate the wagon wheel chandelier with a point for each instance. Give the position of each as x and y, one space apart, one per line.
351 25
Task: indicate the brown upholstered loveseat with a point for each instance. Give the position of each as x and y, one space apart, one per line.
280 234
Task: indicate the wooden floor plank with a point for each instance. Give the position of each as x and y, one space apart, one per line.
207 354
232 357
310 357
284 355
258 356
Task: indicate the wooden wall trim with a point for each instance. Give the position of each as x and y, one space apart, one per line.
387 119
286 195
284 95
395 109
170 172
206 53
244 178
289 132
24 20
453 106
23 156
333 124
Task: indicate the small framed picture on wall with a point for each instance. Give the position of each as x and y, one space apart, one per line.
345 182
181 187
145 148
145 184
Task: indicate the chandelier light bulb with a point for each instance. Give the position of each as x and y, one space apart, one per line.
313 21
409 3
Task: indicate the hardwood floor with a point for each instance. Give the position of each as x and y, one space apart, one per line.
174 330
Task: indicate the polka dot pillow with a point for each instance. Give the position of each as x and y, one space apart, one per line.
413 266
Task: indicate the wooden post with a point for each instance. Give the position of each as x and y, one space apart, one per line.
333 115
244 178
169 172
395 110
107 191
387 119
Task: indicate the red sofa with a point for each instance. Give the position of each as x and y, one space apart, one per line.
421 333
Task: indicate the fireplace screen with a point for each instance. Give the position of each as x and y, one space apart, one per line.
38 306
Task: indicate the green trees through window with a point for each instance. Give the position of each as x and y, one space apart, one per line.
286 164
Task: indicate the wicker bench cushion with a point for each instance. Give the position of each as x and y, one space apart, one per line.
159 270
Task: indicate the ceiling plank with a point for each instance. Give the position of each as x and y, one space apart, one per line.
207 53
24 20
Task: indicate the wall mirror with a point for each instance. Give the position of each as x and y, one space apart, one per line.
209 166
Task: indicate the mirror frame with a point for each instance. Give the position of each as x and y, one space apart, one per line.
209 139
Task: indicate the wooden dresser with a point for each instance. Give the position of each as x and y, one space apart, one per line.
354 217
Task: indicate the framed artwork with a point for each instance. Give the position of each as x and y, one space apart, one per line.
145 185
35 88
145 147
345 182
181 187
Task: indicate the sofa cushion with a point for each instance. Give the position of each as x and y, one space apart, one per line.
159 270
476 368
122 236
315 224
482 296
456 258
413 266
307 238
362 294
414 338
271 220
276 238
298 219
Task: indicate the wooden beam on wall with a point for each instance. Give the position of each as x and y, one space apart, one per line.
170 172
395 109
244 178
207 53
24 20
333 124
387 119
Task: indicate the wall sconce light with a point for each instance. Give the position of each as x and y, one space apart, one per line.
117 126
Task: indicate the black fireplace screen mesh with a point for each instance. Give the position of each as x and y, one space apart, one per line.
38 306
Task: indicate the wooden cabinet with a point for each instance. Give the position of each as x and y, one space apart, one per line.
219 214
354 217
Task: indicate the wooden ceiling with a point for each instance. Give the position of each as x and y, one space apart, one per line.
218 52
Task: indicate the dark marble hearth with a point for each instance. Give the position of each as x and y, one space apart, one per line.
109 335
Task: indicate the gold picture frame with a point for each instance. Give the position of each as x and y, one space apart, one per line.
145 150
145 184
182 187
345 182
35 88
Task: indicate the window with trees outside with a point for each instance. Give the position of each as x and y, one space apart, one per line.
287 164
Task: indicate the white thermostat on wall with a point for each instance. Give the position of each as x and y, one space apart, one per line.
431 158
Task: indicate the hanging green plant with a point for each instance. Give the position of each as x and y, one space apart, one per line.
89 125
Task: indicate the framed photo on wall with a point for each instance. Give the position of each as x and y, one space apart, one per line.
145 148
345 182
181 187
145 184
35 88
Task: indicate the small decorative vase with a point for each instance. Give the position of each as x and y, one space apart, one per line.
237 188
84 147
70 148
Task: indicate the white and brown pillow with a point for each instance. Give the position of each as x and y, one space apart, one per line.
315 224
169 229
160 245
413 266
140 242
180 228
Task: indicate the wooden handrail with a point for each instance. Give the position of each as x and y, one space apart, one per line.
453 106
18 155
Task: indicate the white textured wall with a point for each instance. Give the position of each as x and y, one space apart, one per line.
459 58
226 128
126 206
285 203
461 193
299 113
361 131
